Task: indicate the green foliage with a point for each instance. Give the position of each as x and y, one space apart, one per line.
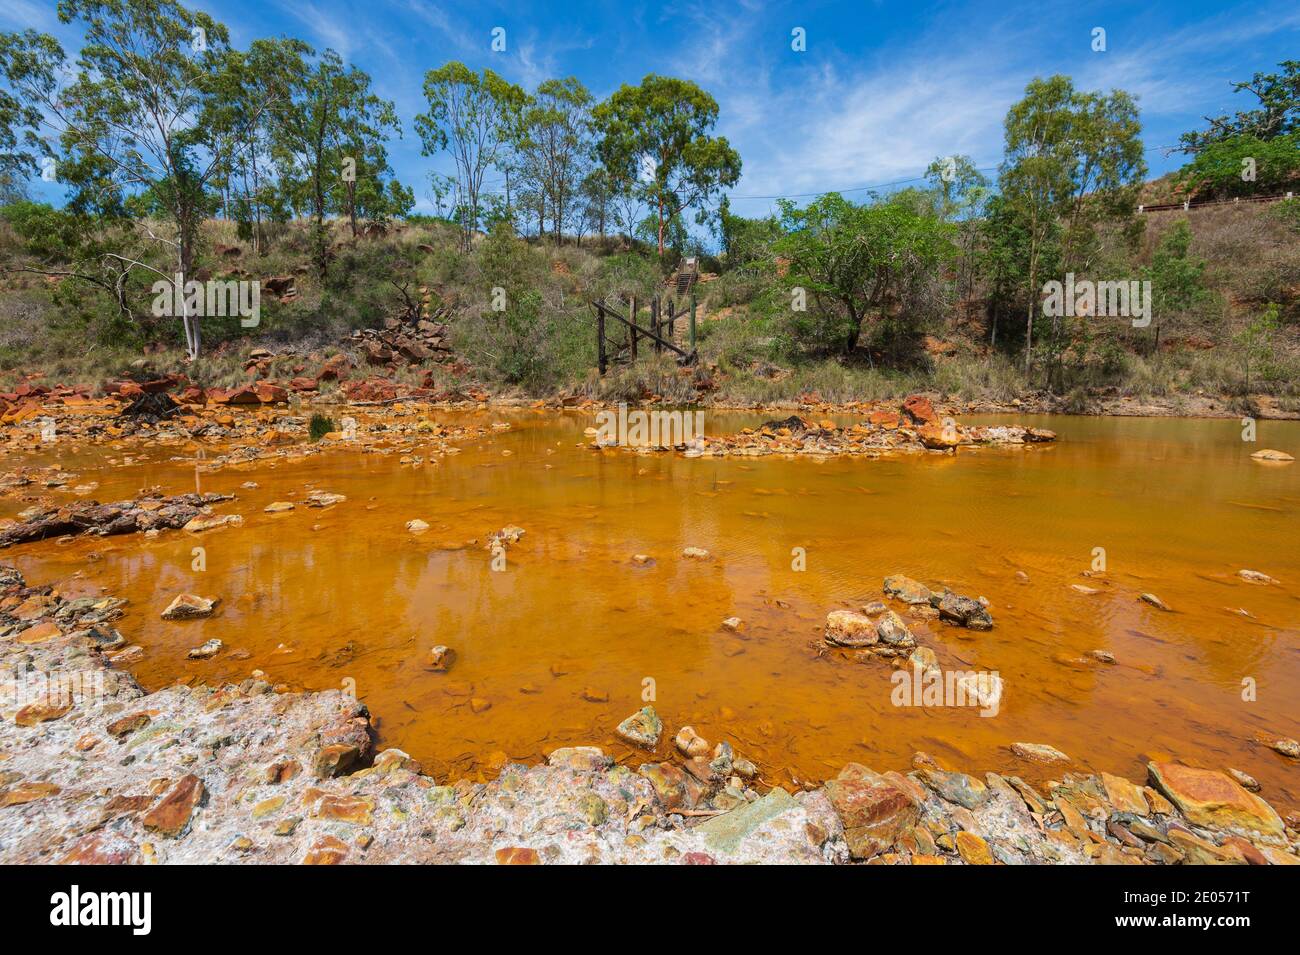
1176 276
1243 165
475 116
50 234
1073 161
851 260
1287 212
744 241
1256 344
654 140
29 62
1278 112
319 426
328 145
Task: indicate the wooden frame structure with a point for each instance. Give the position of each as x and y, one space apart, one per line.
659 332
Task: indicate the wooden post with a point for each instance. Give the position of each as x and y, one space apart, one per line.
692 321
632 319
654 323
672 317
600 339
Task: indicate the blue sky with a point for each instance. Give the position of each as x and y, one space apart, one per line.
881 90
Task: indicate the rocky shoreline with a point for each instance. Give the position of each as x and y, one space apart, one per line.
94 770
913 427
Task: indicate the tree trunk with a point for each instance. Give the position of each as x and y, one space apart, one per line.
1033 301
185 265
661 227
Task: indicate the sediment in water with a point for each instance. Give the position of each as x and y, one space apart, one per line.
93 769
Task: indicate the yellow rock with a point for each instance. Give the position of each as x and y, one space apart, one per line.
973 849
1214 800
1124 795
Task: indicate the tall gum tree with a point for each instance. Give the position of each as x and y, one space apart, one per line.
1072 159
129 125
655 140
326 140
476 117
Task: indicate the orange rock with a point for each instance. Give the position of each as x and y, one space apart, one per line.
102 848
33 607
1200 852
938 438
919 409
40 633
353 809
282 771
34 713
27 792
973 849
335 759
127 724
327 850
514 855
1214 800
874 812
171 816
884 419
1124 795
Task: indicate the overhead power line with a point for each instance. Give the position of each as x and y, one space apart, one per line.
879 185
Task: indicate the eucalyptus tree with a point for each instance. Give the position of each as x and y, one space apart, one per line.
655 141
1073 159
29 62
129 126
555 142
963 193
326 139
476 117
271 71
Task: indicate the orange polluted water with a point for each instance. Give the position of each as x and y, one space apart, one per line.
347 597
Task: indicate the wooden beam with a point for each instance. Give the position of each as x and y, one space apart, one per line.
641 331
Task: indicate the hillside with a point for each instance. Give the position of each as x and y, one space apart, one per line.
62 330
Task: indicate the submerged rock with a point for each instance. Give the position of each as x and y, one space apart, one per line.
892 631
188 606
690 744
642 728
1255 577
1039 753
907 590
208 650
963 611
440 658
844 628
1154 601
1270 454
146 513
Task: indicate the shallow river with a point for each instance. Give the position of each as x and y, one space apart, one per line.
347 597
